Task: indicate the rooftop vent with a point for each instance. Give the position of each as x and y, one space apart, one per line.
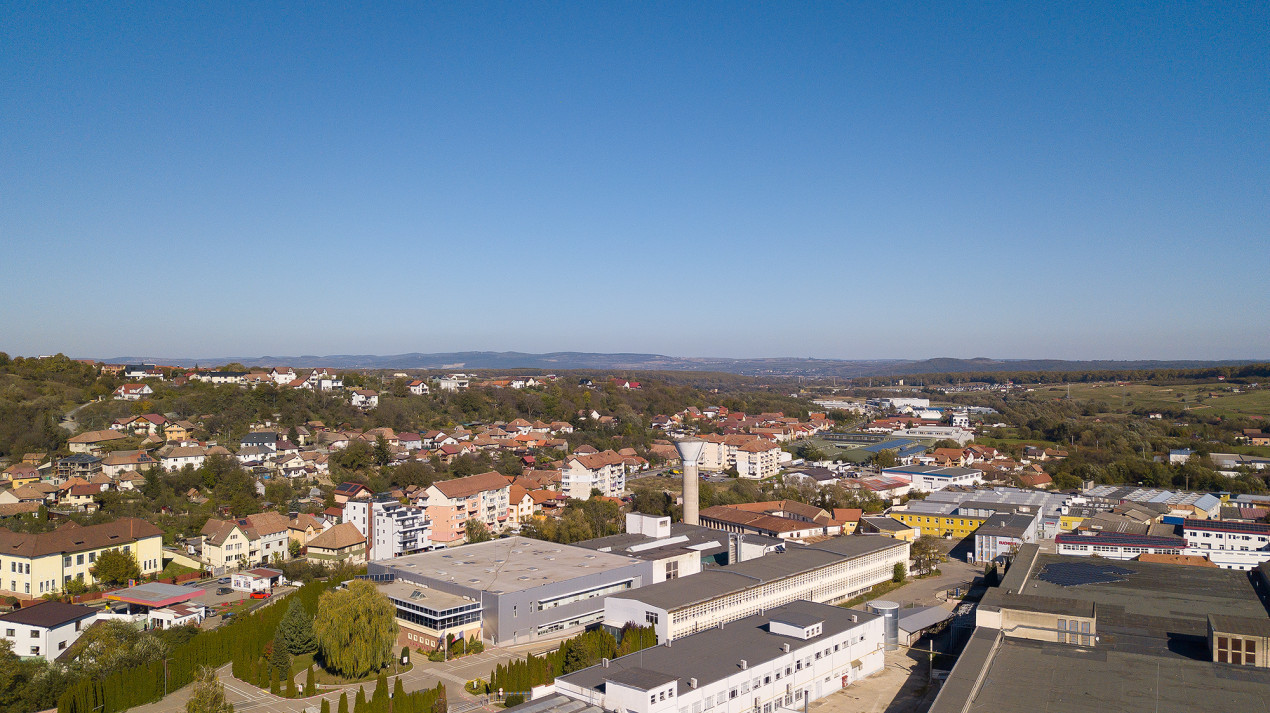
744 664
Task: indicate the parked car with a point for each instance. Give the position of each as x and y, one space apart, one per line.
223 580
260 595
222 591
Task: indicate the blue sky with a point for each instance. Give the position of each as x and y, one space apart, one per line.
697 179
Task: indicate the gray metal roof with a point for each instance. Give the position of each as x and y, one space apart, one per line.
555 703
920 618
715 654
710 584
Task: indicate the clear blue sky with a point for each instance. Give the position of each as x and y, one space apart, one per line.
696 179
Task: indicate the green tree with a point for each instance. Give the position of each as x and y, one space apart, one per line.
476 531
899 572
925 554
280 658
296 629
207 695
382 452
355 629
116 567
885 458
310 685
343 706
326 706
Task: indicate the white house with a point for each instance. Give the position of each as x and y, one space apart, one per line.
364 398
181 456
419 387
454 382
133 392
282 377
260 579
45 630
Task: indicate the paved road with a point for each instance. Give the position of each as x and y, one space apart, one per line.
426 674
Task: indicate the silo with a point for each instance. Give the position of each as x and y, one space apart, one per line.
890 613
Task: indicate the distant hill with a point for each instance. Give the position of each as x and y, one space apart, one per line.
777 366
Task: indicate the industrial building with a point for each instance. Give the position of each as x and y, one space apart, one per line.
676 549
826 572
1078 634
527 589
932 477
785 657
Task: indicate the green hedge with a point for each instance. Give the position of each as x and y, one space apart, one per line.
241 642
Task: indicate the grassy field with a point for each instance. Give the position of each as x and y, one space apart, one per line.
1213 398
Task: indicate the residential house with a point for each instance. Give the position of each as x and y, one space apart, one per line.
175 458
282 377
80 465
341 544
419 387
118 462
364 398
93 441
46 629
245 542
133 392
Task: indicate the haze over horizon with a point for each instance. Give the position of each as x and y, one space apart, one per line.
849 182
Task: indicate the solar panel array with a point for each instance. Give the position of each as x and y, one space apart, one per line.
1071 574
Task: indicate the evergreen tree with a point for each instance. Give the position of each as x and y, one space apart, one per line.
291 692
359 703
280 659
379 699
326 706
343 706
310 685
273 681
296 629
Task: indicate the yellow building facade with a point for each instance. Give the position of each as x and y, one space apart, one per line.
937 525
36 564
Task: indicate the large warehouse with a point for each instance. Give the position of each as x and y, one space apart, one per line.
826 572
527 589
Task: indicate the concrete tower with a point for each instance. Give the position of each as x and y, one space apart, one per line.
690 453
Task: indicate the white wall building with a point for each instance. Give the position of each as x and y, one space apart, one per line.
827 572
783 658
1229 545
390 528
47 629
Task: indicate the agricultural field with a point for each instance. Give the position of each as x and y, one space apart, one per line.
1209 399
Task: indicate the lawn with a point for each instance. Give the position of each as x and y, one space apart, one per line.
299 664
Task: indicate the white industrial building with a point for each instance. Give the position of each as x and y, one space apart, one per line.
785 657
931 477
826 572
1229 545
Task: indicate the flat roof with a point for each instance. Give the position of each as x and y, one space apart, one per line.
555 703
155 594
715 654
510 564
1023 676
423 596
796 559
